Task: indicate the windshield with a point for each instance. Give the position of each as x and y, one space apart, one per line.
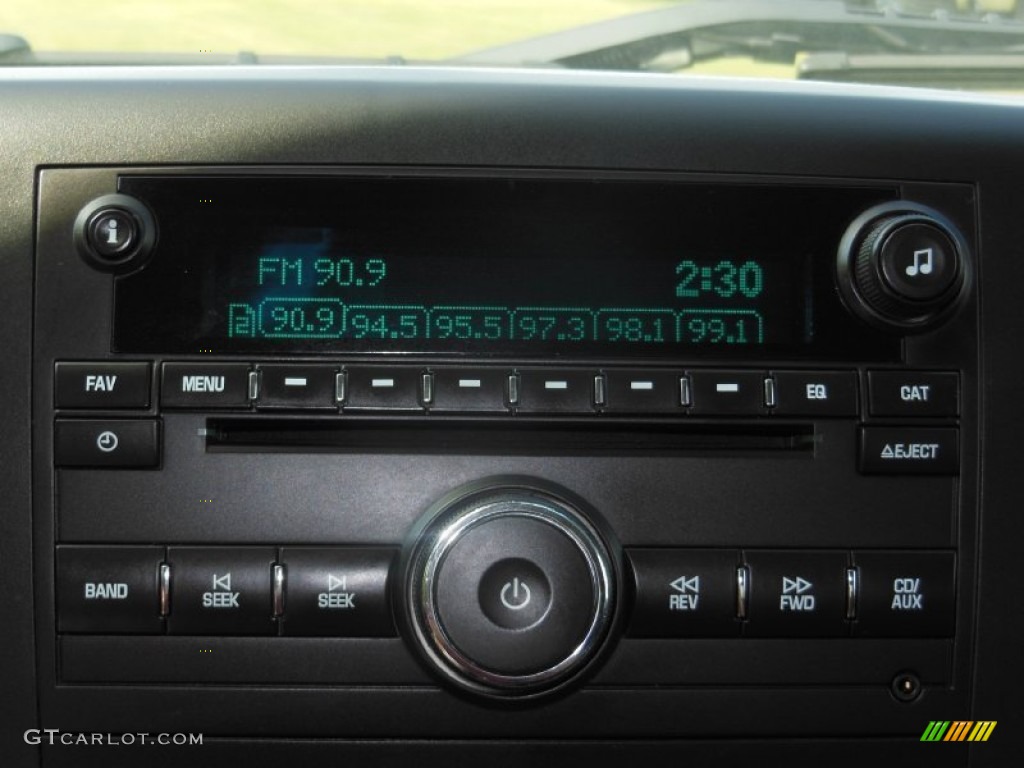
964 44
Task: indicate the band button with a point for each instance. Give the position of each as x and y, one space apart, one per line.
108 589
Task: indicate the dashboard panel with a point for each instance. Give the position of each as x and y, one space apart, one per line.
438 414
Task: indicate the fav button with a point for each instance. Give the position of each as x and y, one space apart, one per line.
101 385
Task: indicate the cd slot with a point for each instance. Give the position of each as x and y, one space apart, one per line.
503 437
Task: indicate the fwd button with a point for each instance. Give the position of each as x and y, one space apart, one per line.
794 594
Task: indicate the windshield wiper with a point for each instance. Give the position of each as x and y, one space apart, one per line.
775 30
1001 71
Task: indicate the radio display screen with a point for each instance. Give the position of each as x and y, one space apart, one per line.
484 266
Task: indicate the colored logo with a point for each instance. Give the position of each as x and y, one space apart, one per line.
958 730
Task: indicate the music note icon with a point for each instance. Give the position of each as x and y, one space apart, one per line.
921 267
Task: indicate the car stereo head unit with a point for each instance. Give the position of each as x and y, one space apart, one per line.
471 435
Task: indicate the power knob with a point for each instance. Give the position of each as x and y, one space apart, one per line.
903 267
510 589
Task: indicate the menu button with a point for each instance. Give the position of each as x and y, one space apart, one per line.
204 385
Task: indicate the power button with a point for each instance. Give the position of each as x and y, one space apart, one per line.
514 593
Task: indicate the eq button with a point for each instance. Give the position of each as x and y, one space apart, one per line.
815 393
108 589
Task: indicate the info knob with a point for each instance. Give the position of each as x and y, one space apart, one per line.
510 589
902 266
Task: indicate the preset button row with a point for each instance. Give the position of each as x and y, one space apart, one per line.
203 385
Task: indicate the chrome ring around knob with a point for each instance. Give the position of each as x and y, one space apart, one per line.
455 521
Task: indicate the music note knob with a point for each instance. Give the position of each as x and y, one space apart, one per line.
903 267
